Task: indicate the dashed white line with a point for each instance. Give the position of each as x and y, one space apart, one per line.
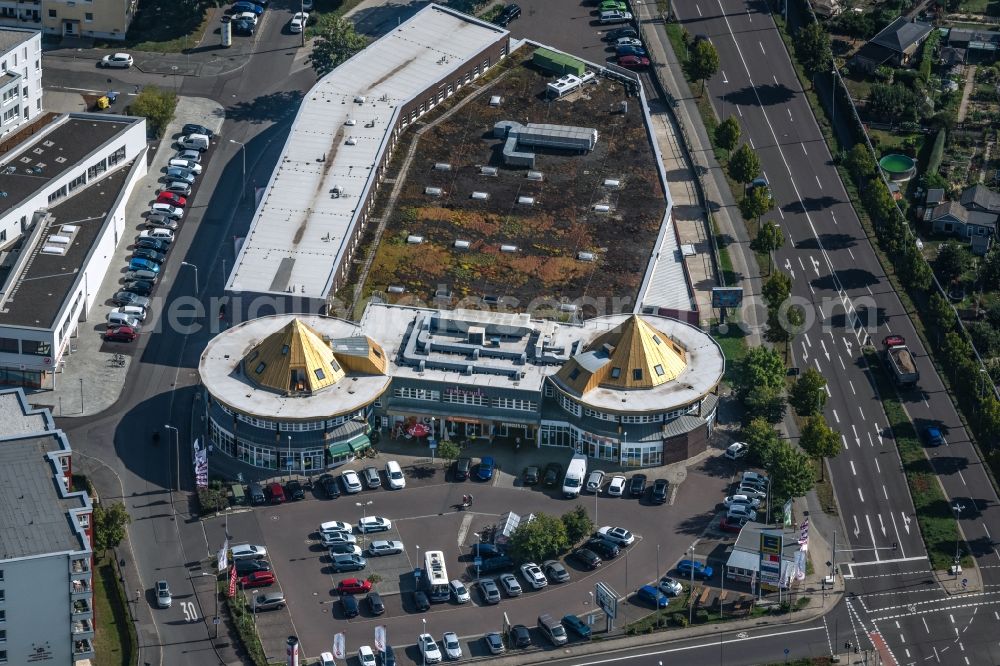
789 114
863 499
841 359
877 468
804 148
699 10
741 115
852 387
817 177
885 492
761 45
850 253
924 620
775 80
835 416
853 471
843 439
860 411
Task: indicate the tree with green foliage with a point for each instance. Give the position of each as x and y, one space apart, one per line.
927 58
542 538
812 46
952 261
157 106
776 290
448 450
859 163
913 268
727 134
336 42
808 395
578 524
761 439
819 440
937 152
989 269
759 384
769 236
704 62
895 102
110 521
214 498
940 315
936 181
791 473
744 165
783 325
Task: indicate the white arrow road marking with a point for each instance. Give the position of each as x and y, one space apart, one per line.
724 79
872 532
881 524
847 343
815 264
823 345
788 267
906 522
805 352
857 529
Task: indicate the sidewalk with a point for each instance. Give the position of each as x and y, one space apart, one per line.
87 382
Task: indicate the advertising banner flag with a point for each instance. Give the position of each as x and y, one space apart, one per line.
788 513
804 532
223 556
232 581
380 638
339 646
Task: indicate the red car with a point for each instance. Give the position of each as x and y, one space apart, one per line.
633 62
733 525
258 579
120 334
276 493
172 199
353 586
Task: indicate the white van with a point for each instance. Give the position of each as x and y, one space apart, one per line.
394 473
116 318
135 311
575 473
197 142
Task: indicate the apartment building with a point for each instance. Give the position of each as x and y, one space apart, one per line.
20 77
46 595
103 19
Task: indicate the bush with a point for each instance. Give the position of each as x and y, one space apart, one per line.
214 498
937 152
156 106
679 620
701 616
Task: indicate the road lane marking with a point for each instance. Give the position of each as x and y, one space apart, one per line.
877 468
739 111
790 119
962 477
886 493
835 416
463 531
817 177
775 79
853 471
926 628
841 359
804 148
862 500
852 387
843 439
808 341
827 389
818 369
750 139
699 9
850 253
724 79
868 520
860 411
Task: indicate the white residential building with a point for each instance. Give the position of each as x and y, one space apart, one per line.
20 77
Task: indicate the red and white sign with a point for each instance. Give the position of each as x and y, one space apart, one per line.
232 581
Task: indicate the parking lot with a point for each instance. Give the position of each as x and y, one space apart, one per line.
426 516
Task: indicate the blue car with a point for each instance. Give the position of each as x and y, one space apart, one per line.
630 51
140 264
243 6
933 436
485 471
651 595
702 571
577 626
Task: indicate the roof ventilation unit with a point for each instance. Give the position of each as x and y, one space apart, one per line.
602 208
397 289
488 171
462 245
535 175
414 240
480 196
567 307
526 201
54 249
468 370
613 183
496 100
433 191
442 166
351 122
359 99
585 256
351 141
508 248
421 366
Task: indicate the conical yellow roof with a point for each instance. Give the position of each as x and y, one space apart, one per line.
293 359
633 355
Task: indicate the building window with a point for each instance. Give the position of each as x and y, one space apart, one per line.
3 635
9 346
548 390
36 348
88 17
3 656
78 181
574 374
514 403
466 397
260 367
320 375
3 615
52 13
603 416
417 394
637 374
659 369
569 405
616 373
116 157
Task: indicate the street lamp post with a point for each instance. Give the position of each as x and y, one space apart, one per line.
177 455
422 652
185 263
957 508
288 458
364 514
691 593
243 179
215 592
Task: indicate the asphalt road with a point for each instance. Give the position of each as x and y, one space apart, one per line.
835 270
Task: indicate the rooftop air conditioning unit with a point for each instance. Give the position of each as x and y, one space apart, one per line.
526 201
462 244
602 208
508 248
480 196
442 166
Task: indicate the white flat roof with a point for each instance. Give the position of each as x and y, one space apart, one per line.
297 236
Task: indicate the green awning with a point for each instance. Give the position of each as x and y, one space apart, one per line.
338 449
359 443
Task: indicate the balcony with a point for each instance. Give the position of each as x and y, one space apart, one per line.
80 589
82 648
83 629
82 609
80 566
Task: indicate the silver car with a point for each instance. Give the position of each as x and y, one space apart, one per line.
177 173
383 547
594 481
489 591
178 187
510 585
269 601
163 598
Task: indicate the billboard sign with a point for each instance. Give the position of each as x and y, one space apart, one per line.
727 297
607 599
770 557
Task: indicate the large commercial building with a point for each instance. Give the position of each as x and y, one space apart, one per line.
104 19
46 596
64 183
305 392
20 77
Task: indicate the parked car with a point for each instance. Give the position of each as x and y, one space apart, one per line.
163 597
246 16
343 562
239 8
737 450
494 642
530 476
462 467
189 154
127 298
382 547
594 481
637 485
374 524
349 604
294 490
117 61
184 174
335 526
618 33
489 591
485 470
298 22
485 550
606 549
258 579
275 493
173 212
247 551
329 485
619 535
190 166
612 6
343 548
354 586
120 334
686 567
577 626
622 51
520 637
372 479
459 592
670 587
394 474
653 596
172 199
160 221
192 128
510 585
731 500
420 601
628 41
741 511
616 16
586 557
754 477
152 255
156 244
555 571
246 567
141 264
533 574
495 564
180 187
269 601
633 62
352 484
616 486
452 648
375 603
330 539
658 492
553 475
141 287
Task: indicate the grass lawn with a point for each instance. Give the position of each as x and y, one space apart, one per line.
892 142
824 491
734 346
114 638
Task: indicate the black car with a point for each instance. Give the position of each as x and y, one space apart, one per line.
191 128
244 27
586 557
247 567
637 485
462 467
350 605
152 244
509 13
494 564
330 486
375 604
152 255
139 287
555 571
618 33
658 493
520 637
530 476
603 547
420 601
485 551
294 491
148 276
128 298
553 473
342 549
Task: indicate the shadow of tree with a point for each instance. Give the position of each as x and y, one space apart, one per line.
768 94
852 278
422 472
271 107
829 241
378 20
811 204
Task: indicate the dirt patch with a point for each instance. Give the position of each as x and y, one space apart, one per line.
549 234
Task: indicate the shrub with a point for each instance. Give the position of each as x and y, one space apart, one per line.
701 616
156 106
937 152
679 620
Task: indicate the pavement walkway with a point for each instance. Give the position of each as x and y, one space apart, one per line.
970 83
87 382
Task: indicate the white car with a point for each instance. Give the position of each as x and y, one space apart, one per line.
298 22
189 155
510 585
117 60
365 656
163 235
459 591
629 41
382 547
247 551
352 484
190 165
326 659
737 450
172 212
394 473
335 526
335 538
670 587
374 524
739 511
345 549
429 649
732 500
618 535
245 16
452 648
163 598
533 574
131 313
616 487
